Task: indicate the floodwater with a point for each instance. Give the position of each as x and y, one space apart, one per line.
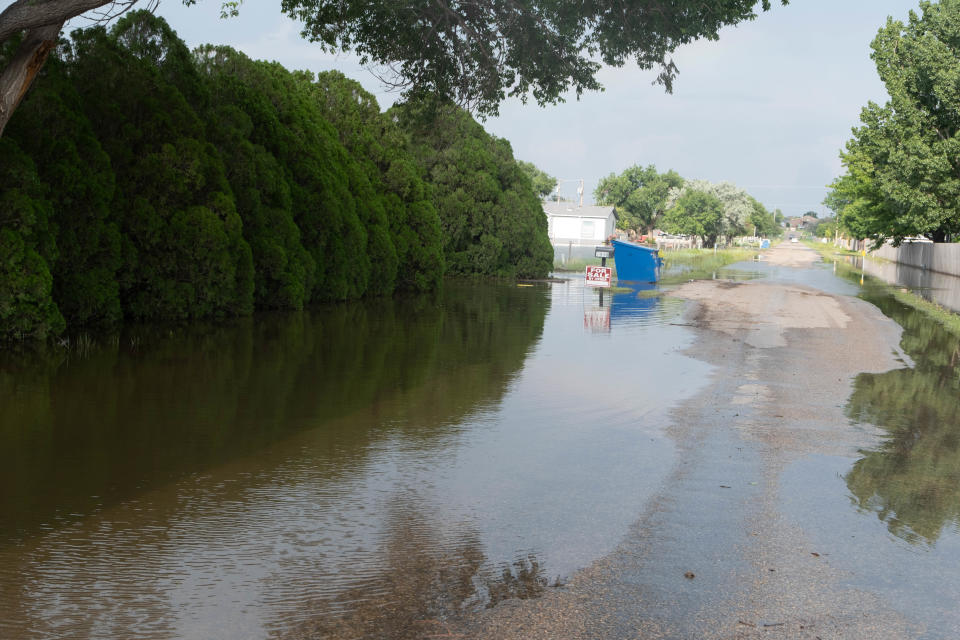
939 288
358 469
367 469
894 510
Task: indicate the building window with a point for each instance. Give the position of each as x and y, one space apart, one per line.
586 229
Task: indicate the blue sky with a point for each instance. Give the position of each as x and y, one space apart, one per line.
768 106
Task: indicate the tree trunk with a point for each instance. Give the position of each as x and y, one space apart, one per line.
18 75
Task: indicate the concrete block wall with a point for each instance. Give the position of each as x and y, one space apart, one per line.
936 287
937 257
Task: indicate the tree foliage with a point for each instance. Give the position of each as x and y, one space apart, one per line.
696 213
903 162
764 222
383 150
183 252
53 130
493 223
739 207
145 181
474 53
479 53
543 182
639 195
27 247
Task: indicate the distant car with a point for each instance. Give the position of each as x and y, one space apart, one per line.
794 240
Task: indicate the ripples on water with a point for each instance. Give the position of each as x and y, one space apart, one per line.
368 469
360 470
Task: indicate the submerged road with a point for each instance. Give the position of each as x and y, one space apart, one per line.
713 555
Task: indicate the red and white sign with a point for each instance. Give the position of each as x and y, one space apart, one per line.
599 276
597 319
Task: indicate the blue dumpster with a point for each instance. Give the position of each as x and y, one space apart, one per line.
635 262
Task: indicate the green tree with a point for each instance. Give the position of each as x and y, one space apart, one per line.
904 161
184 255
825 228
27 249
405 217
328 190
738 205
543 182
856 199
696 213
475 53
493 222
639 195
79 177
764 222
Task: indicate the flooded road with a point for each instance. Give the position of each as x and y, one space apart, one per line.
497 461
360 468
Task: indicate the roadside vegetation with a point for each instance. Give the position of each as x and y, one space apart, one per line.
646 199
685 264
679 265
902 176
143 181
827 250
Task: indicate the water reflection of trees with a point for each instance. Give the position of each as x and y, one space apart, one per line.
430 575
91 426
912 480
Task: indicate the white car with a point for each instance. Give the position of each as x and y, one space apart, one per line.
794 240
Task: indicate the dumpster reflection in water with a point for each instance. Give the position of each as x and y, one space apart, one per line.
627 305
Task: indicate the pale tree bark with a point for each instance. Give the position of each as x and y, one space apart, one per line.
24 15
18 75
40 22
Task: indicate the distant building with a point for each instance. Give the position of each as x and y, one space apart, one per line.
575 230
801 222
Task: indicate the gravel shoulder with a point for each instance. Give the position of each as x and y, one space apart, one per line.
713 556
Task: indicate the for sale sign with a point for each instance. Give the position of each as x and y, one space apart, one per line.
599 276
597 319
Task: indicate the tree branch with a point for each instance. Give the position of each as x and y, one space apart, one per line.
18 75
23 15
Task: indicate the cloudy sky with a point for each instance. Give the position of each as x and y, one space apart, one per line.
768 106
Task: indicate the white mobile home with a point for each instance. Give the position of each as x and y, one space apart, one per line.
575 230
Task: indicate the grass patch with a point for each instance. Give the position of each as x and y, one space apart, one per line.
946 317
828 251
686 264
649 293
679 265
573 266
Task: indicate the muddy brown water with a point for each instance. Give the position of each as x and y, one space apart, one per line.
386 469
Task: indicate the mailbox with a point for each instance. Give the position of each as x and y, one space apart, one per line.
603 251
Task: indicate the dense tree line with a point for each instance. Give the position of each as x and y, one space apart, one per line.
645 199
903 165
140 180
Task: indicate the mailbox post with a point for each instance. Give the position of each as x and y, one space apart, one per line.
602 276
603 252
